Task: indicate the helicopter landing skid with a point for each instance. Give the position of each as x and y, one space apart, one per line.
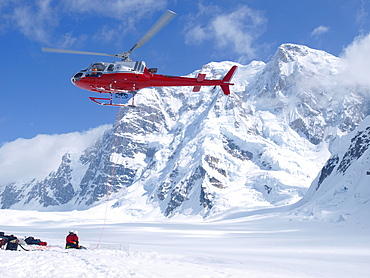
109 102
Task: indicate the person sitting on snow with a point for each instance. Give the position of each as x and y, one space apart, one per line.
72 240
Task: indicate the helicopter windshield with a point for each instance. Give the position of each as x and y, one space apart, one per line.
98 67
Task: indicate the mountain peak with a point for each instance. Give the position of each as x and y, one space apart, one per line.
288 52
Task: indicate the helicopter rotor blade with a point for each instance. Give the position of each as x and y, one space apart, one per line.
57 50
162 22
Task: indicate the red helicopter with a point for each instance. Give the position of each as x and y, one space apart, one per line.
126 78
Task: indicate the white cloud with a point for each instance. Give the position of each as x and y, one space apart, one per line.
196 35
236 31
362 15
25 159
40 20
35 20
357 59
119 9
319 31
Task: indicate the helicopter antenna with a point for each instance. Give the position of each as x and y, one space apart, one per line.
125 56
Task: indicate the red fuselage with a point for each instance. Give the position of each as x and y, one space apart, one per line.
116 82
119 82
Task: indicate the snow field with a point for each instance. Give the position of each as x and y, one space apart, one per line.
265 245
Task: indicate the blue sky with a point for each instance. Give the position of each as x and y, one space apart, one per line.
38 98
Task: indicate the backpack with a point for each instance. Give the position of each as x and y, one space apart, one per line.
12 243
30 240
34 241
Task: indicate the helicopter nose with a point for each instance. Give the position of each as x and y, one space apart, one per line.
76 77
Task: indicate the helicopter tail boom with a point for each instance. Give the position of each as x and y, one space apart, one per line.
224 83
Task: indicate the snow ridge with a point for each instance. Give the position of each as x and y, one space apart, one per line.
341 190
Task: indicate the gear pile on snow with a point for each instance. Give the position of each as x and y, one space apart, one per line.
11 242
35 241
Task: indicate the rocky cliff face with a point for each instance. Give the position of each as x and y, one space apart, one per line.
341 190
199 153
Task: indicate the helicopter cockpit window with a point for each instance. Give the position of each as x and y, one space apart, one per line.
98 67
110 67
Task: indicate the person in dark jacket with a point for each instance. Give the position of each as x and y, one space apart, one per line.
72 240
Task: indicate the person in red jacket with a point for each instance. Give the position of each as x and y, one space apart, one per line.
72 240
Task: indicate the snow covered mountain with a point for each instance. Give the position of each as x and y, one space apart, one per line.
183 152
341 190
